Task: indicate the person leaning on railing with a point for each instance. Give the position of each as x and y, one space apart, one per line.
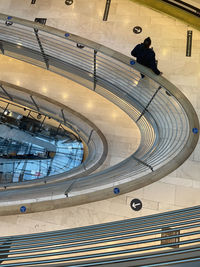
146 56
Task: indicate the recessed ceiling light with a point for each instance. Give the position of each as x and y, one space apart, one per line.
68 2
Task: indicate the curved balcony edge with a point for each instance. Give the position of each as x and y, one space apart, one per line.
78 124
88 189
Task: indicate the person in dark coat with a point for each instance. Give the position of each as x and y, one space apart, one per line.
146 56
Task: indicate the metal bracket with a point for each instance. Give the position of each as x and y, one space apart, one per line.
144 163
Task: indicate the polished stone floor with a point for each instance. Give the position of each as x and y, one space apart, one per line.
85 18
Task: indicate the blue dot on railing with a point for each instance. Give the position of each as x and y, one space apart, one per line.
66 34
9 17
132 62
22 208
195 130
116 190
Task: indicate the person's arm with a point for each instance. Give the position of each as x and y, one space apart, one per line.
134 52
153 64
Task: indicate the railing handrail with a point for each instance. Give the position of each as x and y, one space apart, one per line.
174 238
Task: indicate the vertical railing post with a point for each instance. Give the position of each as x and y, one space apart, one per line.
68 125
89 138
4 110
1 48
6 93
46 61
63 115
41 124
29 113
33 100
57 130
145 109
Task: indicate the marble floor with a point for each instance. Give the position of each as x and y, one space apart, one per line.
85 18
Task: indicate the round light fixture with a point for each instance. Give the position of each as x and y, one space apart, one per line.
68 2
137 29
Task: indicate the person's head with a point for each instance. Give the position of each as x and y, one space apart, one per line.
147 42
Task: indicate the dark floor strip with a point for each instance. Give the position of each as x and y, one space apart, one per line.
189 44
105 16
187 7
180 2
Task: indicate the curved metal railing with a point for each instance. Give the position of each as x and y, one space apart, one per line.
155 240
167 121
30 104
